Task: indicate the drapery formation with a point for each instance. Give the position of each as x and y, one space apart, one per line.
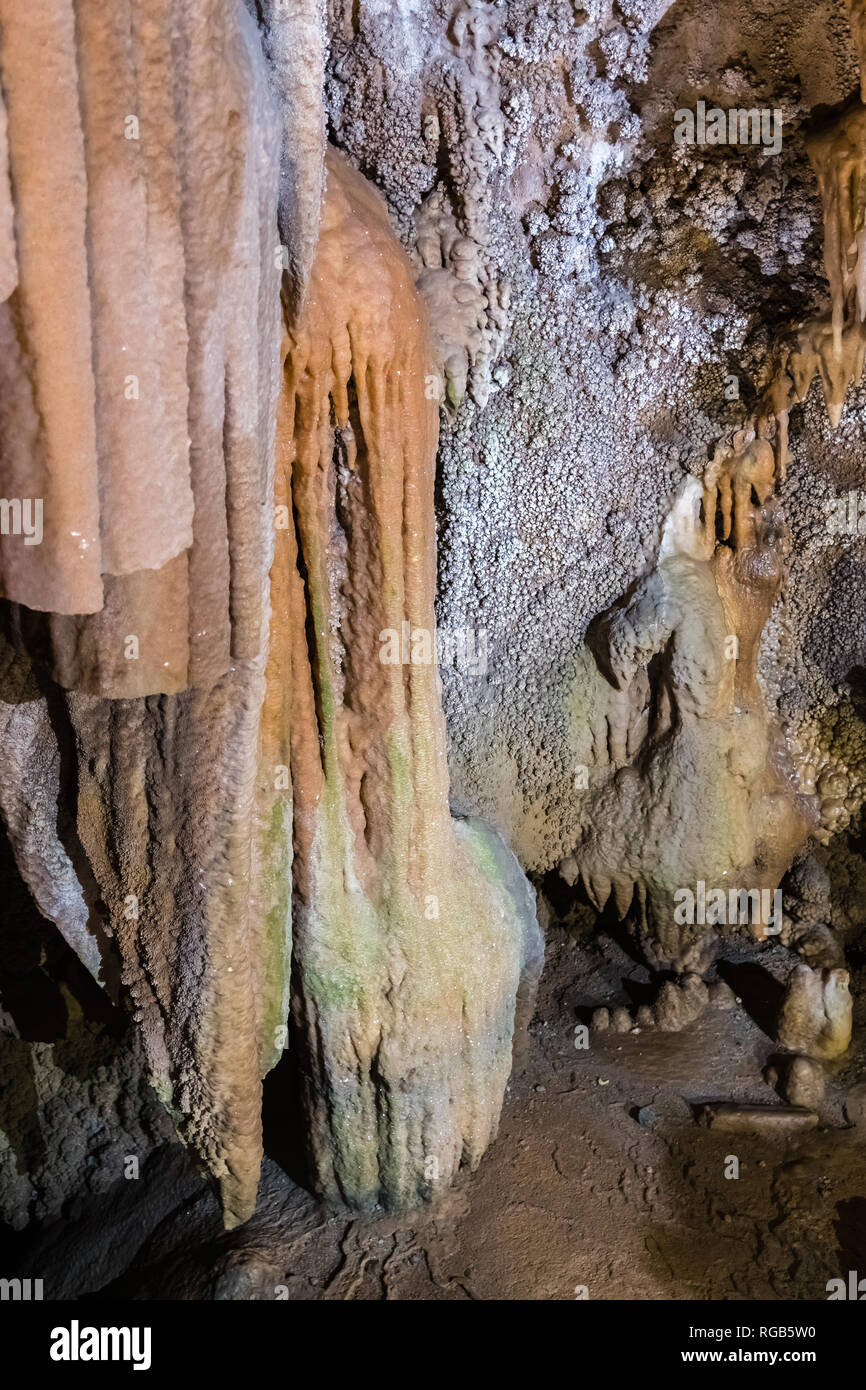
140 284
180 699
139 361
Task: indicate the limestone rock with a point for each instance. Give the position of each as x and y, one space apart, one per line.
412 930
803 1082
815 1017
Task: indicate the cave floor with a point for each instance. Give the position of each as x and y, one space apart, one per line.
576 1193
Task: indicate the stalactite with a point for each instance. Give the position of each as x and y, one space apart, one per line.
831 346
412 930
838 155
294 36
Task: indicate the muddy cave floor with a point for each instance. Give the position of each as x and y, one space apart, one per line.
575 1192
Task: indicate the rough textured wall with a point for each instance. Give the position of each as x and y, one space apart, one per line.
75 1104
639 277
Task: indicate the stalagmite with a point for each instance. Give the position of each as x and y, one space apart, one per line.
412 930
815 1017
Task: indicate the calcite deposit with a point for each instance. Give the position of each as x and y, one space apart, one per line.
140 381
690 781
432 501
134 320
193 703
412 930
702 787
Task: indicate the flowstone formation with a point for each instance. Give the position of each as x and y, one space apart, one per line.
700 789
412 930
139 378
181 698
695 812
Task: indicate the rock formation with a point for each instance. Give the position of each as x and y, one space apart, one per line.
815 1018
140 370
280 419
697 763
294 39
832 346
699 789
412 930
158 684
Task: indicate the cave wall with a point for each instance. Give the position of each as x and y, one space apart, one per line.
592 290
619 282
